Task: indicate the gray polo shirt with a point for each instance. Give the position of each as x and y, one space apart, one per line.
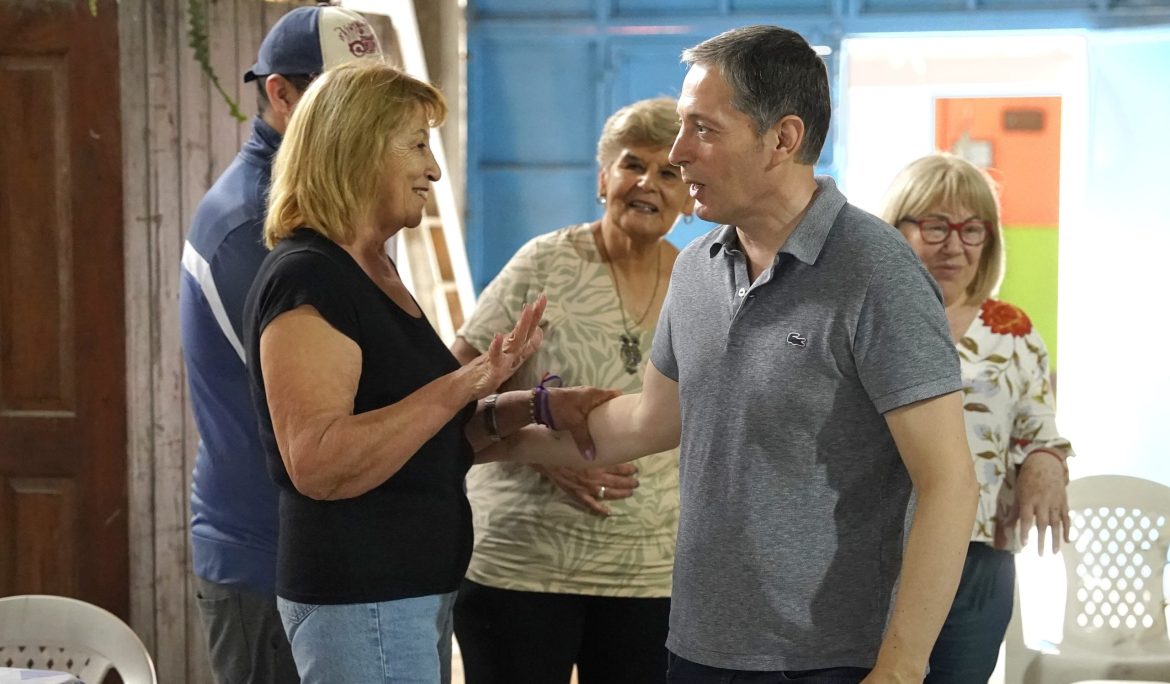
793 493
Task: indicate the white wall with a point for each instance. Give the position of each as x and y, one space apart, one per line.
1114 377
891 82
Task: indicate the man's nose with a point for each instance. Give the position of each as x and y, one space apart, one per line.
678 155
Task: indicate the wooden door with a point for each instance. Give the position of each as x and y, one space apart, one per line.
63 508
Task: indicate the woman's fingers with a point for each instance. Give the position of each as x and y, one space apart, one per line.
528 323
569 482
1025 519
538 308
534 342
1057 526
496 348
1052 522
526 335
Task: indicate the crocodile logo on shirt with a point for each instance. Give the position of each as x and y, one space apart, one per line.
796 340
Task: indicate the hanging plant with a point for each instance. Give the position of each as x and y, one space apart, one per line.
201 46
197 31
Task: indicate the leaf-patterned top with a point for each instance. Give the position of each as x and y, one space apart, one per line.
1008 407
530 535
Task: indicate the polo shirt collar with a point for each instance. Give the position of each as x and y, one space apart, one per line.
810 234
728 239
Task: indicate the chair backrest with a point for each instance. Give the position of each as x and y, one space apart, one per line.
58 633
1120 536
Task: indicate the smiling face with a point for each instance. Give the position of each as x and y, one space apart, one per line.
411 168
644 193
952 263
722 157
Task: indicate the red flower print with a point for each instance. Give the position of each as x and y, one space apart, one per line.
1005 319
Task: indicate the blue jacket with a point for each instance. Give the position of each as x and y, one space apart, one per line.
233 499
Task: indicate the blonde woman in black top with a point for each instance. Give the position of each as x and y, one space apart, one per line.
369 423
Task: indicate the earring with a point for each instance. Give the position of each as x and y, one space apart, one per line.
688 218
601 200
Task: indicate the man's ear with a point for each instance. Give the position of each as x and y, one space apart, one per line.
788 134
601 184
282 96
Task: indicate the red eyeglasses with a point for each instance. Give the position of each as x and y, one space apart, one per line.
935 230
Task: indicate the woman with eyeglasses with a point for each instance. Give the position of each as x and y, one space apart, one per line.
948 211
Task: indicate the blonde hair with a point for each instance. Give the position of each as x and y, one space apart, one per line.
943 179
332 163
649 123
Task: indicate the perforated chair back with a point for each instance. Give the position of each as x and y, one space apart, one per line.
1120 537
64 634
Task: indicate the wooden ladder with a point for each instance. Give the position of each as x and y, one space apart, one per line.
431 259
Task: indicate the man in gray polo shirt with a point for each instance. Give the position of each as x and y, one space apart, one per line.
804 356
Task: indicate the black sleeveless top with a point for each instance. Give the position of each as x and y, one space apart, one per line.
411 535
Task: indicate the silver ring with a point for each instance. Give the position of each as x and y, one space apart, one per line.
601 492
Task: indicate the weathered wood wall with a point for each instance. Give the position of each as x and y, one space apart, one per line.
177 137
177 134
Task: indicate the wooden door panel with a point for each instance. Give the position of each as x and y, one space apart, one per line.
40 519
36 317
63 522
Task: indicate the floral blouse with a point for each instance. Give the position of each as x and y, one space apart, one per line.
1009 410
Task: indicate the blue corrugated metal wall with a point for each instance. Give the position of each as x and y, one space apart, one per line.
544 74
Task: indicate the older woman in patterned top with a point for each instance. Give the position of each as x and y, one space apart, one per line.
948 212
574 566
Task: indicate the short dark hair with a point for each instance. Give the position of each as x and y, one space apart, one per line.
773 72
299 81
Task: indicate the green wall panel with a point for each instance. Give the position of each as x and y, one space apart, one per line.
1030 281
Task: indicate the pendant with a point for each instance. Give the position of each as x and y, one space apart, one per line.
631 352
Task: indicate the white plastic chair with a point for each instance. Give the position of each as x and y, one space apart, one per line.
1114 618
64 634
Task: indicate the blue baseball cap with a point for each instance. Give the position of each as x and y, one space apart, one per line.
310 40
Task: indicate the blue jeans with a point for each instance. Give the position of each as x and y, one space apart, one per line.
682 671
968 647
407 641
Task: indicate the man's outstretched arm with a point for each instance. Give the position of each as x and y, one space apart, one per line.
622 429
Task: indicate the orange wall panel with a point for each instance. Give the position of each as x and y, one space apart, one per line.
1025 162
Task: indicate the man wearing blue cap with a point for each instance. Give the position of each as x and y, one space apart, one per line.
233 500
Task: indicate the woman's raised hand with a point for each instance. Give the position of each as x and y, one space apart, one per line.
507 352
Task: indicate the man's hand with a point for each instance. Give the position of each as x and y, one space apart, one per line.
570 407
1041 500
594 486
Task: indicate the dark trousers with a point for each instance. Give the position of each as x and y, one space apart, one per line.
968 646
523 637
245 637
683 671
